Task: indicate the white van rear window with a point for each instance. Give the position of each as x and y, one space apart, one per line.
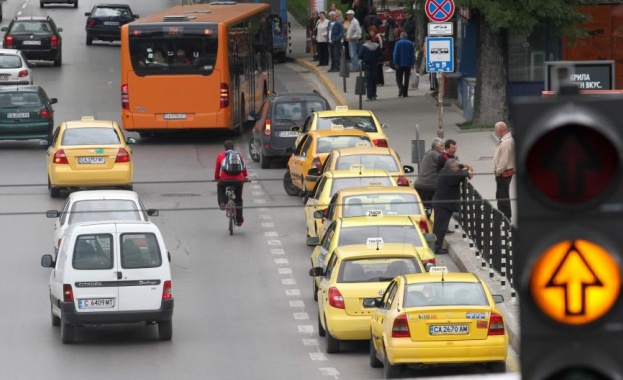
93 252
140 250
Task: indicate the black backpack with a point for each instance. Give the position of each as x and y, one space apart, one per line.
232 163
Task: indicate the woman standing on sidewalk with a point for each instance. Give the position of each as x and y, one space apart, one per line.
375 37
322 31
311 34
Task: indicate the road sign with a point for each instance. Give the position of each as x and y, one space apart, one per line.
440 28
575 282
440 54
439 10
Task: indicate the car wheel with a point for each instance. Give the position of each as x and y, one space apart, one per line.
390 371
54 191
254 149
374 360
89 40
58 61
56 321
315 289
497 367
321 330
333 345
76 4
129 187
305 197
288 185
165 330
41 4
68 333
281 57
264 161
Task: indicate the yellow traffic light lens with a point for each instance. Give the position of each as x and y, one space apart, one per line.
575 282
572 164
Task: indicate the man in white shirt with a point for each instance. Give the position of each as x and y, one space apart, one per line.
504 167
353 35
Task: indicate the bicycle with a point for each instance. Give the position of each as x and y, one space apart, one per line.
230 208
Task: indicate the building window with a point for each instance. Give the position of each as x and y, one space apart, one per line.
527 55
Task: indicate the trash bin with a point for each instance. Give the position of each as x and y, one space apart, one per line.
468 93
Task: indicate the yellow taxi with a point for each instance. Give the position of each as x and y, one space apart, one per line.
437 318
311 151
369 157
378 202
354 274
342 117
363 230
332 181
89 153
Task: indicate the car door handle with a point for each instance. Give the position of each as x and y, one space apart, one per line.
119 275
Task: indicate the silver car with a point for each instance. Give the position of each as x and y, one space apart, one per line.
14 68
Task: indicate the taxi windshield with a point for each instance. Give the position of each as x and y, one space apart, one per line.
90 136
363 123
445 294
386 203
389 234
342 183
328 143
376 269
372 161
103 209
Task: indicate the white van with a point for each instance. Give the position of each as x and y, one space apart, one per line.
111 272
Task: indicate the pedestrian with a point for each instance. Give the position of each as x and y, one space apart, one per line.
376 37
322 30
426 180
353 35
372 19
336 34
338 12
408 26
404 61
311 34
450 152
361 11
369 55
504 167
389 34
446 198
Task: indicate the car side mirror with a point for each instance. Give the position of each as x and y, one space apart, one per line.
289 150
313 240
53 100
408 169
385 126
431 238
59 29
498 298
87 14
153 212
136 16
371 302
32 65
4 29
44 143
316 272
52 214
130 140
320 214
296 128
47 261
428 266
169 256
313 171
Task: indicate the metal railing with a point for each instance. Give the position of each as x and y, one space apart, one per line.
489 232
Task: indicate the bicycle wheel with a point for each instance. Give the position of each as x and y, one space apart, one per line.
232 217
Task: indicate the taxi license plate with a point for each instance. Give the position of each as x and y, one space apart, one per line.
18 115
111 23
91 160
289 134
31 42
96 303
449 330
174 116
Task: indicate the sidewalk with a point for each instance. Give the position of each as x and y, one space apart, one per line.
402 115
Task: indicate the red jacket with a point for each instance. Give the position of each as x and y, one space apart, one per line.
218 174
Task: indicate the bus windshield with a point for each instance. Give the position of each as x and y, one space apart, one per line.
165 49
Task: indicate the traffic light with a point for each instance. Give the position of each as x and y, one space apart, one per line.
570 235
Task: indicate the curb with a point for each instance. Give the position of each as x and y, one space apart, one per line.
337 95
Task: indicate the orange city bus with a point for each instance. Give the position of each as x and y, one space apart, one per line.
204 66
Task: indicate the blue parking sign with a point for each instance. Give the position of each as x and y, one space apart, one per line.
440 54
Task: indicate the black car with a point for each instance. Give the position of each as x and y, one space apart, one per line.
26 113
105 20
280 122
36 36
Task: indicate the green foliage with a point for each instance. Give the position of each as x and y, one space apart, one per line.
298 9
470 126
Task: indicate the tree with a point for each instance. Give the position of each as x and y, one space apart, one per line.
496 19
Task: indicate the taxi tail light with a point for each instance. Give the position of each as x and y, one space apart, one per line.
424 226
68 293
167 292
54 41
381 143
496 324
224 99
122 155
22 73
317 163
8 42
44 113
60 157
400 329
432 261
402 181
335 298
267 128
125 97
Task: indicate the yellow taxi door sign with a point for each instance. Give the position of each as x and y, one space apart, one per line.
575 282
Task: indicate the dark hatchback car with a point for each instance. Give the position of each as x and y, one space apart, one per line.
26 113
36 36
279 124
104 22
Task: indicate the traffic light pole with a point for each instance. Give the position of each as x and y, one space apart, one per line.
440 80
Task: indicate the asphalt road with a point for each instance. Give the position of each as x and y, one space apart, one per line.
243 303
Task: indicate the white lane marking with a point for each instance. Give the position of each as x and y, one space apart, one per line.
264 210
265 217
318 356
259 201
277 251
281 261
293 292
19 13
306 329
297 303
24 5
329 371
255 187
288 281
271 234
301 316
273 242
257 193
311 342
285 270
268 225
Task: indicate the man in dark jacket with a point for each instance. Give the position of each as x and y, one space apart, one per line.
369 54
446 199
426 181
336 34
404 61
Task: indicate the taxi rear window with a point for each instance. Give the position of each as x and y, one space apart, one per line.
388 204
103 209
343 183
369 161
390 234
90 136
363 123
445 293
376 269
328 143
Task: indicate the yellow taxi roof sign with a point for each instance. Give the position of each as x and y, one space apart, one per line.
374 213
362 144
438 270
356 167
374 242
87 118
337 127
341 108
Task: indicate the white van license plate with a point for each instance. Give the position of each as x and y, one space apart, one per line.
449 330
96 303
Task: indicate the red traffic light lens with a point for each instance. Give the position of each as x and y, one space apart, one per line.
572 164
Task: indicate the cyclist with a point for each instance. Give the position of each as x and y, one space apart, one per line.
227 179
